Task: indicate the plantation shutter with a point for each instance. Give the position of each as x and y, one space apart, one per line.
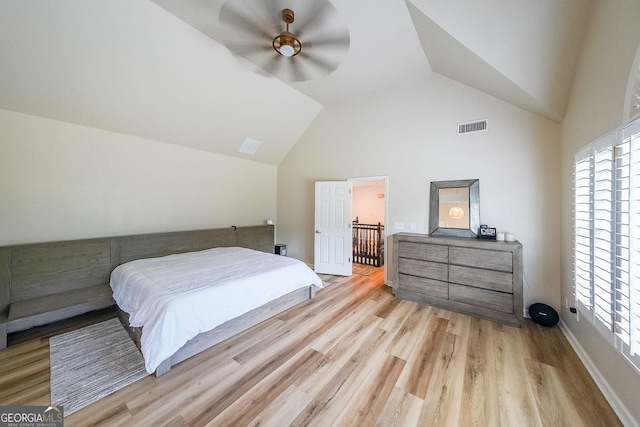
583 225
622 253
607 237
602 232
631 139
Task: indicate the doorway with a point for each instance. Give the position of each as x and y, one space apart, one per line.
369 210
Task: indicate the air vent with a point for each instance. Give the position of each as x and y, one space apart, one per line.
250 146
477 126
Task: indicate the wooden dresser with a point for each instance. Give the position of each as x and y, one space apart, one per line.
476 277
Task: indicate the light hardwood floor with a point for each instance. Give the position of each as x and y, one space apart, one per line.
353 356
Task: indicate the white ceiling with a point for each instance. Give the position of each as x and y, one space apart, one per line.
158 69
523 52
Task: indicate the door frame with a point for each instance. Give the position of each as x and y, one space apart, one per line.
386 215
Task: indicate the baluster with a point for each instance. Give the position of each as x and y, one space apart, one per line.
377 232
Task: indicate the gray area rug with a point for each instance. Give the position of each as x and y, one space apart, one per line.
91 363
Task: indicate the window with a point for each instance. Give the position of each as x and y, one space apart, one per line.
632 102
607 237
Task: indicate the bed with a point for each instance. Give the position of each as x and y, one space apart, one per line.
120 250
176 298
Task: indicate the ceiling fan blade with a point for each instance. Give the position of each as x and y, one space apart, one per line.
325 66
319 13
247 49
238 20
272 11
333 40
273 65
297 73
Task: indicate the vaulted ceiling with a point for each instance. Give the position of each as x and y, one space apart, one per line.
158 69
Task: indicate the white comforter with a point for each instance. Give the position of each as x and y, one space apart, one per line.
176 297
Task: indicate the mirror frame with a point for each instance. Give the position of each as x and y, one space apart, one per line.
474 208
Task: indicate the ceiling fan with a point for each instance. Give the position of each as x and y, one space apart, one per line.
292 46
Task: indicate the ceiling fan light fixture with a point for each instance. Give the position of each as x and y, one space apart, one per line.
286 50
286 44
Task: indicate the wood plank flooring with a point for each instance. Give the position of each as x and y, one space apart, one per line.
353 356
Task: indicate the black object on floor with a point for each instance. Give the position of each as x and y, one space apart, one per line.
543 314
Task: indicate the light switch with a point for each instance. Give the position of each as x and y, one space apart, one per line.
398 225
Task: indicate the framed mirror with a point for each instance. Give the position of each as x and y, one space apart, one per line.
454 208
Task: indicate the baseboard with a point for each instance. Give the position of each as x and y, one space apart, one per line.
618 407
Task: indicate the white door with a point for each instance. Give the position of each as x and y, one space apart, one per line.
332 243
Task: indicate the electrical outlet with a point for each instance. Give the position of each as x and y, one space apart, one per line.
414 227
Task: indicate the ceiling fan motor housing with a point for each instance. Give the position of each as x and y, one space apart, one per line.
288 16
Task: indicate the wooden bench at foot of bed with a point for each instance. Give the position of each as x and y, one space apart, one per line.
226 330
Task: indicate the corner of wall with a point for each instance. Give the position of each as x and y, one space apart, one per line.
616 404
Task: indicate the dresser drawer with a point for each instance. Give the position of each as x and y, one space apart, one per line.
479 278
426 252
487 259
428 287
426 269
497 301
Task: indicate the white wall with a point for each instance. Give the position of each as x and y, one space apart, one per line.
60 181
595 108
368 207
409 135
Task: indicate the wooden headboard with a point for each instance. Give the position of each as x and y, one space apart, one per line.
129 248
48 269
